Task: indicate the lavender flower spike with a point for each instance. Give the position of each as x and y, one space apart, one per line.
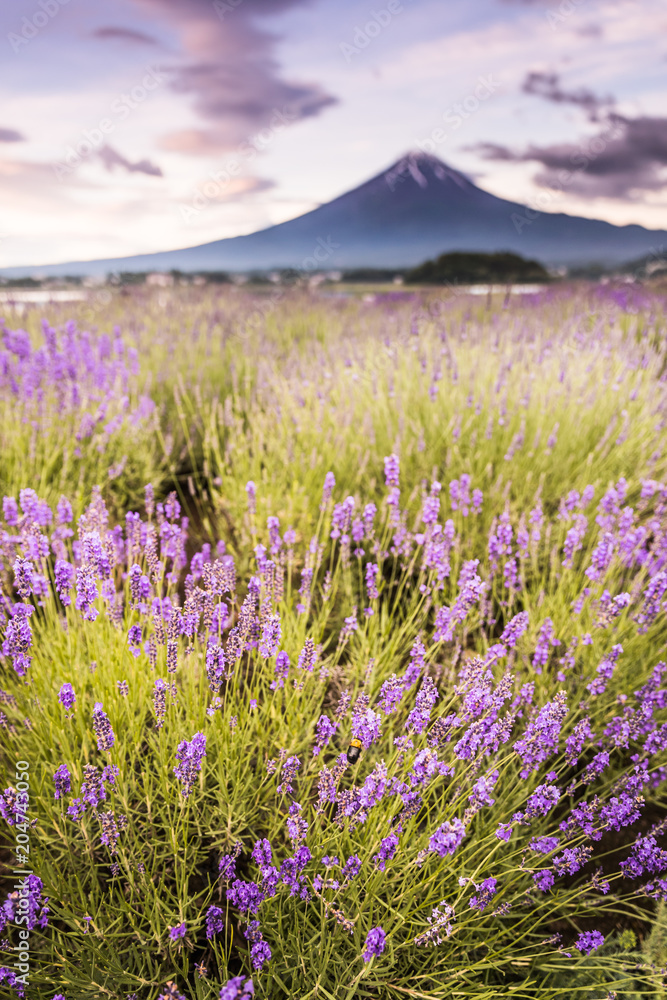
190 756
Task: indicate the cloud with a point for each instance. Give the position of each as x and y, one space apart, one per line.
547 85
591 30
627 157
230 72
123 35
111 158
11 135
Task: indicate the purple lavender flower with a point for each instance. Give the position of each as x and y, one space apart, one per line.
416 665
341 520
645 856
307 656
261 852
589 941
390 694
245 896
352 866
102 727
236 987
545 638
391 470
271 635
190 756
67 696
541 736
288 773
375 943
601 557
485 892
572 859
11 511
575 742
260 954
64 511
365 726
544 879
542 800
426 698
329 483
325 729
252 496
481 790
605 671
472 590
281 670
134 639
86 593
18 638
64 574
350 625
63 782
215 665
596 766
515 629
372 575
24 577
544 845
178 932
76 809
447 837
215 921
160 701
387 850
9 808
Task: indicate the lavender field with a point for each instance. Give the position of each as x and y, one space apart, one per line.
332 635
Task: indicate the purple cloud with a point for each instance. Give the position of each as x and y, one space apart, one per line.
547 85
628 156
111 158
123 35
11 135
230 72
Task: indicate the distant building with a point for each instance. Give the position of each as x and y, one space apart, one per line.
160 280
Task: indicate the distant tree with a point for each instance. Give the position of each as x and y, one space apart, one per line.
460 268
371 274
215 277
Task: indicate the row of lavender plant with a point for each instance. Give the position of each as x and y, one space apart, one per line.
377 763
72 413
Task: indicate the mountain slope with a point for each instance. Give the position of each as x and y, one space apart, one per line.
417 209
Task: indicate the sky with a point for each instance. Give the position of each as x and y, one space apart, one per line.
133 126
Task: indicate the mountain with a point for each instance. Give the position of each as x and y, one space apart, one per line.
417 209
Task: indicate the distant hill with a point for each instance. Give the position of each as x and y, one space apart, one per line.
412 212
471 268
